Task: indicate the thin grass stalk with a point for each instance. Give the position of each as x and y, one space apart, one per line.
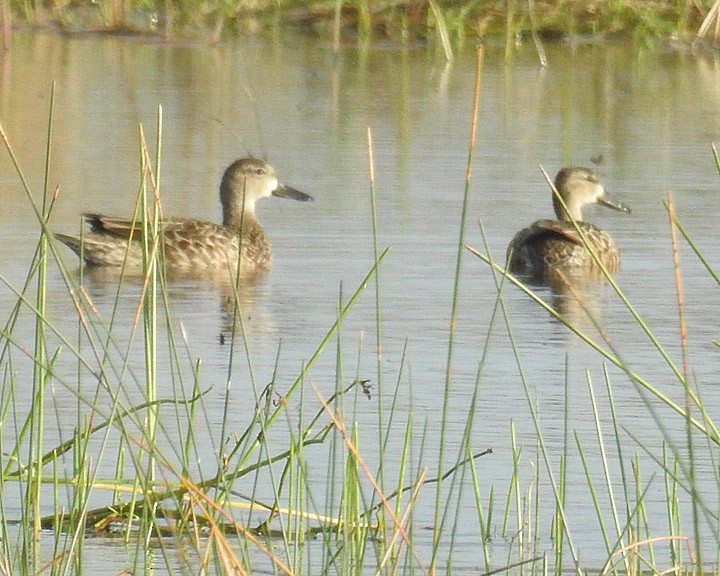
510 31
500 271
561 527
6 25
385 437
629 530
81 453
150 237
397 525
710 515
457 482
350 515
646 526
673 508
716 477
537 541
378 307
41 377
527 526
390 550
396 399
237 314
302 488
406 520
512 482
693 245
337 22
542 56
716 156
442 30
7 394
690 399
483 518
335 453
291 476
262 408
189 444
291 531
560 503
641 528
597 507
618 444
183 421
437 527
364 22
516 490
606 468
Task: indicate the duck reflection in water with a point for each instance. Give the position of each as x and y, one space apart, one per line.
549 251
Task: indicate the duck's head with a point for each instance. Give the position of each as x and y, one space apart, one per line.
579 187
247 180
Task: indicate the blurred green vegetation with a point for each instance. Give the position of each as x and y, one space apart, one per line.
369 20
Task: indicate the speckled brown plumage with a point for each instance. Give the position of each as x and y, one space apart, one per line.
195 245
548 246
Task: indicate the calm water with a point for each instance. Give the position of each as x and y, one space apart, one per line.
652 117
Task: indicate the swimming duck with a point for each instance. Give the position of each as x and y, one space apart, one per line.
191 245
546 246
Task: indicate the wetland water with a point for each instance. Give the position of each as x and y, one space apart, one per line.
651 116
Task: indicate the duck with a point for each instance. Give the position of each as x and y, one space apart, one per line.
547 247
190 245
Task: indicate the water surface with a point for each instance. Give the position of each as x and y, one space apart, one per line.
650 116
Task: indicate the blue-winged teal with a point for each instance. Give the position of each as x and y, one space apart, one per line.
550 245
191 246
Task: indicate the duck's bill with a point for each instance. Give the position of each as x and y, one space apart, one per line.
614 205
283 191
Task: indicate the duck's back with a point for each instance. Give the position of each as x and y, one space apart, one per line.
188 245
550 245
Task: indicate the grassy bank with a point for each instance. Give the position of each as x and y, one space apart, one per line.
405 22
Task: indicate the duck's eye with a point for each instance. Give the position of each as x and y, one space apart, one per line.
259 171
592 178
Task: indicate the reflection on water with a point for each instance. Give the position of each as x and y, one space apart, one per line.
309 108
236 304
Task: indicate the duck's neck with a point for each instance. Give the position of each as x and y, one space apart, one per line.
573 211
237 219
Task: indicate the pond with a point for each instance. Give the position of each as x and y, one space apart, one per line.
645 120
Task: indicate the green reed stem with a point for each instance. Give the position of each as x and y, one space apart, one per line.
151 232
606 471
692 244
41 378
378 308
437 527
690 399
499 272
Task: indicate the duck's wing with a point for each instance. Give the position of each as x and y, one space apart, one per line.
127 229
110 226
527 252
544 229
